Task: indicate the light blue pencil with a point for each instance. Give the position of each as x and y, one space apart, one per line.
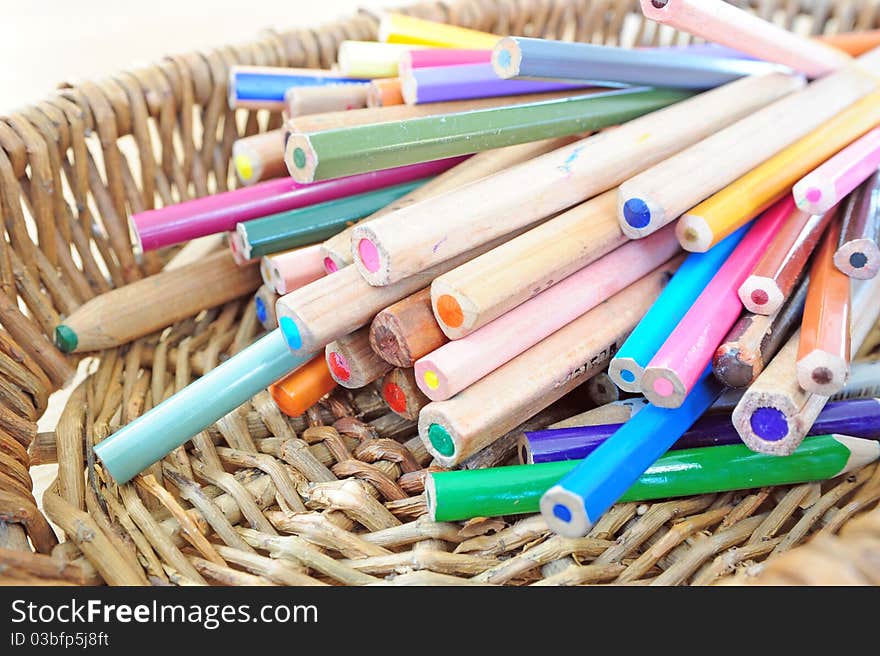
525 58
573 505
155 434
628 364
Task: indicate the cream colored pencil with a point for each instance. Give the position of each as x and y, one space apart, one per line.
259 157
300 101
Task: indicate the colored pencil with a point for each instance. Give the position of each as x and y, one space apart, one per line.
598 481
263 87
601 389
781 267
520 489
664 192
264 306
856 418
434 57
336 153
454 429
385 92
824 348
397 28
720 22
628 365
301 389
300 101
352 361
175 224
307 225
678 364
309 322
337 249
407 330
557 180
462 81
156 433
237 250
863 382
259 157
853 43
461 362
370 59
150 304
401 393
717 216
827 185
292 269
775 412
755 339
526 58
858 254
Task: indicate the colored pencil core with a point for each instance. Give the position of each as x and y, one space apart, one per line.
561 512
663 387
431 380
339 366
244 167
299 157
394 397
858 260
759 297
65 338
290 332
261 309
627 376
769 424
330 265
660 4
369 255
822 376
450 311
636 213
441 440
504 58
814 195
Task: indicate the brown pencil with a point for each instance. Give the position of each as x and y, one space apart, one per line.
407 330
858 253
401 393
124 314
352 361
774 277
824 349
755 339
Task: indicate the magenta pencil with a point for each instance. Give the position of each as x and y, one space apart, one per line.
676 367
824 187
291 270
209 215
457 364
432 57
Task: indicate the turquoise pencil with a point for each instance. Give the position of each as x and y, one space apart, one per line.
573 505
155 434
628 364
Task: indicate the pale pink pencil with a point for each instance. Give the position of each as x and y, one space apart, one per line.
824 187
684 356
457 364
291 270
431 57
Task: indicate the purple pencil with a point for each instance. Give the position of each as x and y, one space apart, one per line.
857 417
444 83
181 222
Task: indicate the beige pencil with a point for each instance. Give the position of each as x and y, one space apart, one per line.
417 237
299 101
259 157
264 306
352 361
474 418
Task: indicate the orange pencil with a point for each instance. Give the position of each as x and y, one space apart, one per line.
824 349
300 390
384 91
853 43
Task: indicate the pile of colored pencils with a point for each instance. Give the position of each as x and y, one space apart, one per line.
446 216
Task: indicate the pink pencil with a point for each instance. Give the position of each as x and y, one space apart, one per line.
430 57
675 368
457 364
824 187
181 222
285 272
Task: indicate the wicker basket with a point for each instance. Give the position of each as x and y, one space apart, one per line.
223 510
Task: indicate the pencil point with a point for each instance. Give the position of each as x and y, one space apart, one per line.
261 309
330 265
290 332
65 339
769 424
441 440
394 397
244 167
369 255
339 366
858 260
759 297
636 213
450 311
299 157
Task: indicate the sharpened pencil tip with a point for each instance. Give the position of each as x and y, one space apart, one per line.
65 339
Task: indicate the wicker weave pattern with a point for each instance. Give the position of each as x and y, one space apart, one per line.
229 508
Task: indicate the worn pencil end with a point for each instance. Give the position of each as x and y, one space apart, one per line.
66 339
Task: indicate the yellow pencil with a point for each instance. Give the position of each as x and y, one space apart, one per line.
397 28
724 212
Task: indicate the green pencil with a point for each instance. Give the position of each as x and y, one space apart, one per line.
343 151
463 494
308 225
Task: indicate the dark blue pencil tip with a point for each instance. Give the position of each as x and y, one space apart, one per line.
636 213
769 424
261 309
562 512
290 332
858 260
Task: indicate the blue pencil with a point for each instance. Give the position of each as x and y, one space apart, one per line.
573 505
628 364
263 87
524 58
155 434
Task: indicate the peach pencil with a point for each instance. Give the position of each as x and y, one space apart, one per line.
352 361
385 92
259 157
858 254
461 362
300 101
292 269
678 364
407 330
